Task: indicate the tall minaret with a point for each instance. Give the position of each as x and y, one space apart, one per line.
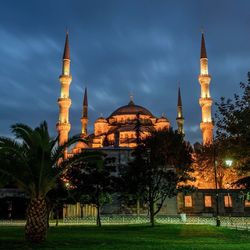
205 99
180 118
84 118
64 102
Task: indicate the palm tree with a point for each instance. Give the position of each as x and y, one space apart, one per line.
32 160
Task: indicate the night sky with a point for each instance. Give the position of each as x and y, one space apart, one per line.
117 48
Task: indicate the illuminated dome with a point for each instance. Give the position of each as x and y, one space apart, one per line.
131 109
101 119
162 119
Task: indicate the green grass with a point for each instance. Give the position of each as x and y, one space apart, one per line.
130 237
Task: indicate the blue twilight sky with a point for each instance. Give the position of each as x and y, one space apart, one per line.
117 47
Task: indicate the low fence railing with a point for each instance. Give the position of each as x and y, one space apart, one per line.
239 223
232 222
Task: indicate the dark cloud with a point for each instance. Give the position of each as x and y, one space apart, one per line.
118 47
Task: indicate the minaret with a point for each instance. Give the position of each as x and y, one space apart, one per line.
84 118
205 100
180 118
64 102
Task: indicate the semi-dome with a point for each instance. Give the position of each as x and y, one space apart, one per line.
131 109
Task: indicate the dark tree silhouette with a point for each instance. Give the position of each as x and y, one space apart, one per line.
233 127
92 180
162 161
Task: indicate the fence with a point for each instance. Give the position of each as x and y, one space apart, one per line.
232 222
239 223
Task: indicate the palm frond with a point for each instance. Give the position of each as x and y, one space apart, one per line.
58 152
23 132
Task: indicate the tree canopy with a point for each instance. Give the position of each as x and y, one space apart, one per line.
233 127
233 124
162 161
92 180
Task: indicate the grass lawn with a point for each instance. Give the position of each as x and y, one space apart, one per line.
130 237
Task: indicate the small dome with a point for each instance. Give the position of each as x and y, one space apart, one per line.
131 109
162 119
101 119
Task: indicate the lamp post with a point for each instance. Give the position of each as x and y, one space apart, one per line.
216 187
217 194
229 163
228 197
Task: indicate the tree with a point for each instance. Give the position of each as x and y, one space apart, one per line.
129 177
233 126
92 181
31 159
162 161
56 198
130 180
204 169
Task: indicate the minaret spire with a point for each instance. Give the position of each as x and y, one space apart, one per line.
180 118
66 54
205 99
64 101
84 118
203 47
179 104
85 99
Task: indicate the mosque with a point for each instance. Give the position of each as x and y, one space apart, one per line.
116 136
118 129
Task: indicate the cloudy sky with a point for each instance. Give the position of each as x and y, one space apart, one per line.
118 47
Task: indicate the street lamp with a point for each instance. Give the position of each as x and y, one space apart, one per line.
217 193
228 195
229 162
216 186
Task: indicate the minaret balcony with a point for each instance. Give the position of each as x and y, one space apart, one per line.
64 102
65 79
204 78
205 101
180 120
62 126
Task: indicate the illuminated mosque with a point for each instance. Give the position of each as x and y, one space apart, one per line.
118 130
116 136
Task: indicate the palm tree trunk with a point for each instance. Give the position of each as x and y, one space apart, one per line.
36 224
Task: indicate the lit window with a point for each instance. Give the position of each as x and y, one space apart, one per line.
188 201
228 200
208 201
247 203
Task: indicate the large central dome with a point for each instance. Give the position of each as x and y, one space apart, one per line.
131 109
